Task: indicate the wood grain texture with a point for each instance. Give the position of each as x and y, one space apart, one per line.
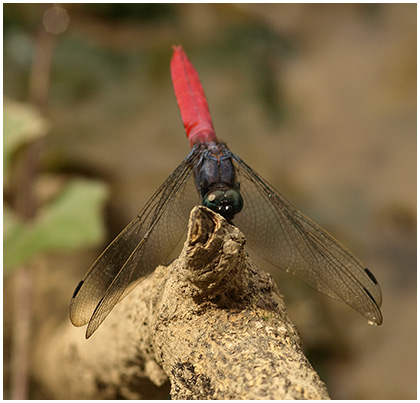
212 325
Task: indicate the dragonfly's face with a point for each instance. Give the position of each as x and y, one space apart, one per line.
226 202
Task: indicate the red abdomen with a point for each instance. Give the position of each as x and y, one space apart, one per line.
191 99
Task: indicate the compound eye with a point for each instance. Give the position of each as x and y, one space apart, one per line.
235 200
212 199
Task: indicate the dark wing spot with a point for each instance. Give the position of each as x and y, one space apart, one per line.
371 276
77 288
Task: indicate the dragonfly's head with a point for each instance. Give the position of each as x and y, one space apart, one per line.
225 201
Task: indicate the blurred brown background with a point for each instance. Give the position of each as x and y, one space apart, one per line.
319 99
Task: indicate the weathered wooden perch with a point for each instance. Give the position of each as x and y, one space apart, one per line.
212 323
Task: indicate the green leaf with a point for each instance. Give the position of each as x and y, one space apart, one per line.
72 220
21 125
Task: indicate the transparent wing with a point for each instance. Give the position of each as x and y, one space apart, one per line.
144 244
288 239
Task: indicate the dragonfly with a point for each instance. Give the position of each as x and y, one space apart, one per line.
213 176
